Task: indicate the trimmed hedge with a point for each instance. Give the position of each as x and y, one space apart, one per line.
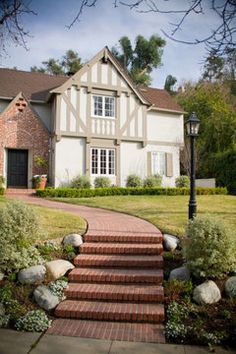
2 190
101 192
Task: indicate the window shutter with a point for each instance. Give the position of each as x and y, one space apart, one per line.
149 163
169 165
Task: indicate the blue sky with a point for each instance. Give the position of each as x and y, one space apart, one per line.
104 25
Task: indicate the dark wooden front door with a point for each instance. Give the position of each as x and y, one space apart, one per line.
17 168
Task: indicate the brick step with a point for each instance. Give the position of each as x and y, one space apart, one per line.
120 248
108 311
103 275
125 238
111 292
94 260
133 332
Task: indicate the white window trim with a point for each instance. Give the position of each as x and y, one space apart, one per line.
99 162
103 107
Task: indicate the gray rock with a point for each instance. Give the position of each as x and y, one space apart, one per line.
45 298
32 274
73 240
181 273
58 268
207 293
230 286
2 276
170 242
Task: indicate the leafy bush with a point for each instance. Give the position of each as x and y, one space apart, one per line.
102 182
182 182
57 288
33 321
209 248
12 308
153 181
176 290
2 190
2 181
175 329
70 252
19 228
88 193
81 182
133 181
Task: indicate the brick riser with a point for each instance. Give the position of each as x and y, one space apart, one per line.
95 310
118 261
107 275
111 292
124 238
117 248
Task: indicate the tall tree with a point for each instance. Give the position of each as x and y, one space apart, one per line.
68 65
142 59
169 84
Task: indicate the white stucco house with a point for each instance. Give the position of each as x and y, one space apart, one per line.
98 123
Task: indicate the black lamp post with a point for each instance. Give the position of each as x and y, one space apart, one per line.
192 125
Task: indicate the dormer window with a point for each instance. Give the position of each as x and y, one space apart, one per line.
104 106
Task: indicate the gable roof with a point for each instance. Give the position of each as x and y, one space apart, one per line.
38 86
35 86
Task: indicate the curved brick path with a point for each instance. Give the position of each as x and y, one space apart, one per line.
115 292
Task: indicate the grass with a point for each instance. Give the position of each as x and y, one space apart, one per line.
56 224
168 213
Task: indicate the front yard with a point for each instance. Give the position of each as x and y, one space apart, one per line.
168 213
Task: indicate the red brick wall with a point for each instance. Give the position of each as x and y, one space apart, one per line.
20 128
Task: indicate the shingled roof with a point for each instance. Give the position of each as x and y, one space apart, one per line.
36 87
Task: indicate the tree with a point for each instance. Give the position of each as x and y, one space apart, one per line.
169 84
215 107
142 59
220 37
11 27
68 65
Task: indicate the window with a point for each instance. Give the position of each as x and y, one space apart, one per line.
104 106
102 161
159 163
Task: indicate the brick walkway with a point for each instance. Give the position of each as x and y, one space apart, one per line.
115 292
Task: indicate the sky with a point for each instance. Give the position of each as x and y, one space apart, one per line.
105 25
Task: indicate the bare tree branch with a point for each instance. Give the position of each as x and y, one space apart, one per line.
11 28
219 38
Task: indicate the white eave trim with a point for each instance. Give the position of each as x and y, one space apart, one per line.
159 109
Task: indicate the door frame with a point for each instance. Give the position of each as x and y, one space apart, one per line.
29 163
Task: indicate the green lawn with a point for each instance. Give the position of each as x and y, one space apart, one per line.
169 213
56 223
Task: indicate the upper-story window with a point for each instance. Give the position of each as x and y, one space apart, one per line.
104 106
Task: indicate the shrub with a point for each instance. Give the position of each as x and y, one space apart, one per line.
57 288
153 181
102 182
33 321
182 182
12 308
19 228
133 181
80 182
2 190
101 192
209 248
2 181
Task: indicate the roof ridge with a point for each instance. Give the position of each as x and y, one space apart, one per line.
35 72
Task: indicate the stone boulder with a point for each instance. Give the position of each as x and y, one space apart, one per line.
206 293
74 240
2 276
181 273
45 298
32 274
58 268
170 242
230 286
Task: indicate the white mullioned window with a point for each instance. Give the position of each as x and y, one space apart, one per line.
104 106
102 161
159 163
